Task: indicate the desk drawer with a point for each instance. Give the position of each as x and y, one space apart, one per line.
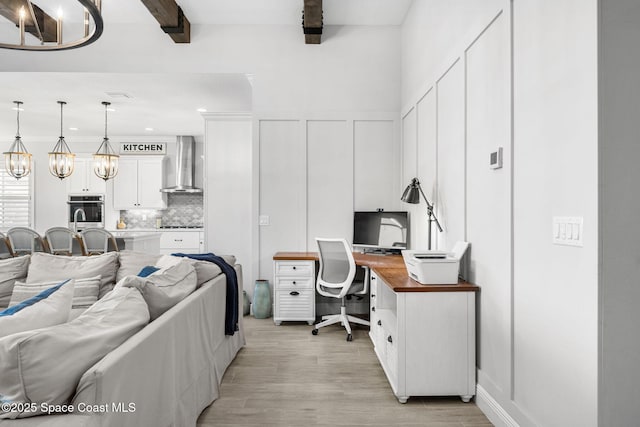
295 304
294 268
293 283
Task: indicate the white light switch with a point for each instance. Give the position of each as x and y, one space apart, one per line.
567 230
264 220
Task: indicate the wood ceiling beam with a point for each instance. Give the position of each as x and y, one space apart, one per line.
312 21
171 19
10 9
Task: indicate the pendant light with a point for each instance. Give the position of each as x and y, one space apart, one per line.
17 160
61 159
105 160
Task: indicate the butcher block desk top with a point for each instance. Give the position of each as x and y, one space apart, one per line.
390 268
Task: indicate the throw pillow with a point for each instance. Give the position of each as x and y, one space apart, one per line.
157 300
131 262
177 280
11 269
37 367
147 270
45 267
48 307
85 292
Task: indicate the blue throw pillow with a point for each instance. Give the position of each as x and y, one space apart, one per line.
148 270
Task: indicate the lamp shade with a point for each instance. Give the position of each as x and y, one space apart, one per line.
411 194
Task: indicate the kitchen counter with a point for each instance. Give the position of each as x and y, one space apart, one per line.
142 241
152 230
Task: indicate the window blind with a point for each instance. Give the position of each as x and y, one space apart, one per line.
15 200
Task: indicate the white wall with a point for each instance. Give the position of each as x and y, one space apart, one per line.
315 171
537 311
619 151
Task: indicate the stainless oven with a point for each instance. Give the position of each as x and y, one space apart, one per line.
86 211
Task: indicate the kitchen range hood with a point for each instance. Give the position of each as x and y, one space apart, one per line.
185 166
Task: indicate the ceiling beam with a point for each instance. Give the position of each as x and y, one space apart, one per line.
10 9
312 21
171 19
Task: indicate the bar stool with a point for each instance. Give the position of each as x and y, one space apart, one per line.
60 240
5 249
96 241
24 241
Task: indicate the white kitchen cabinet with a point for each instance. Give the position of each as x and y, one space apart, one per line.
190 242
425 338
138 182
83 180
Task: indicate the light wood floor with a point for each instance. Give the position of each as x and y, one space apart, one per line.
287 377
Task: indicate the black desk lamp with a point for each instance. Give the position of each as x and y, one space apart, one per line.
412 195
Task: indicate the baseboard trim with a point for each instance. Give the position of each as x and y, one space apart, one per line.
492 409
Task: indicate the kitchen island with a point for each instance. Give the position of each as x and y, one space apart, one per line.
141 241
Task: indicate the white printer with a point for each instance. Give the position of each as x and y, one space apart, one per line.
435 267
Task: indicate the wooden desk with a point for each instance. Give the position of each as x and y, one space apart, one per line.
390 268
424 335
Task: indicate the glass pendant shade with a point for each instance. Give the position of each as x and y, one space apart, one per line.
17 160
105 160
61 159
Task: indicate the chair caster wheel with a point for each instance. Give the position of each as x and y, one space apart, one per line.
349 337
314 331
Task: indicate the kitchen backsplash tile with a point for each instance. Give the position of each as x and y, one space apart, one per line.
183 210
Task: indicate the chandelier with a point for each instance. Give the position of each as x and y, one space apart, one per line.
17 161
105 160
61 159
48 31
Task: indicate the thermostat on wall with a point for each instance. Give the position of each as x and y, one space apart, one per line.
495 159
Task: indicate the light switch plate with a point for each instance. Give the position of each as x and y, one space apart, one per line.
495 159
567 230
264 220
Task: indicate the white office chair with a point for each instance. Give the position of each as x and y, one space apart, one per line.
335 280
96 241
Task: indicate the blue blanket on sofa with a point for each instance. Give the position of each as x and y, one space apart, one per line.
231 316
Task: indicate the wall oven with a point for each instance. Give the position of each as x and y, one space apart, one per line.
86 211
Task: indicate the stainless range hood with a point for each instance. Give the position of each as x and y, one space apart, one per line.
185 166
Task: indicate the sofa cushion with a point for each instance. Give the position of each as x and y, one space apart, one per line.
11 269
45 267
131 262
27 358
48 307
158 301
177 276
205 271
85 291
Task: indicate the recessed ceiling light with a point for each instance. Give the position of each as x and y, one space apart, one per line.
148 129
73 128
201 110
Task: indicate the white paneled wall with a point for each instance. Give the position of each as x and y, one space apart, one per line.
426 127
524 79
488 194
314 172
330 180
450 196
283 189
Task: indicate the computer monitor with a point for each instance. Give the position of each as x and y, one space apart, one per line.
381 231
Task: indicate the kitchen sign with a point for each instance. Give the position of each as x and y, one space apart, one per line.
143 148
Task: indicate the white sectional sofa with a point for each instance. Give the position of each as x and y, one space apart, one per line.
163 375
